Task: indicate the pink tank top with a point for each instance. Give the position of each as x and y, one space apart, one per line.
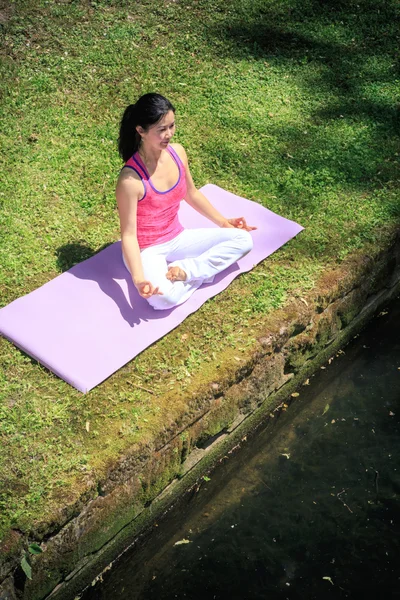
157 212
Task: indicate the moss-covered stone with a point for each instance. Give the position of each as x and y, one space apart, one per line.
7 589
10 549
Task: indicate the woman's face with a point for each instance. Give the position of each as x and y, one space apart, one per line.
158 136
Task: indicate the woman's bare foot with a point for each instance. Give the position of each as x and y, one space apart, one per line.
176 274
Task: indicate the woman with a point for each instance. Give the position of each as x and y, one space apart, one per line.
167 263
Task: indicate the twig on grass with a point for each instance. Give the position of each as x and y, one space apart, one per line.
141 387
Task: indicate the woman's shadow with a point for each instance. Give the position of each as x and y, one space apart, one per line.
105 267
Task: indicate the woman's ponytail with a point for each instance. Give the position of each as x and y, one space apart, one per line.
129 139
147 111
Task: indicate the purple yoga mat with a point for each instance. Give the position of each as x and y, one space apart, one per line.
90 321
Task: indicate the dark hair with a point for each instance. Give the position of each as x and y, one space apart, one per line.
147 111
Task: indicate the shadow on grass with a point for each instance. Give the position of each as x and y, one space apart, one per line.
344 54
71 254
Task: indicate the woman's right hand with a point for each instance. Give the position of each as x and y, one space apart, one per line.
146 289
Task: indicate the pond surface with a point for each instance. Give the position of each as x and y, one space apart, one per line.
308 509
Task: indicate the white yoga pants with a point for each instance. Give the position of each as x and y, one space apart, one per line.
201 253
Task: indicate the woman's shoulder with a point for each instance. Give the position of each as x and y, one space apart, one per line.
129 180
129 175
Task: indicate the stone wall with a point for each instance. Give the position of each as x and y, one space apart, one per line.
142 484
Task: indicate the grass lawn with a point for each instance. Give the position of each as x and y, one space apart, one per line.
294 104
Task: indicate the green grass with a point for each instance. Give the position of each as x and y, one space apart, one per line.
292 104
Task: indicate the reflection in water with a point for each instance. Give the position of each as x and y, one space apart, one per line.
310 509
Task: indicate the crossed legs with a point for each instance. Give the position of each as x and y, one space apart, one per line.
200 254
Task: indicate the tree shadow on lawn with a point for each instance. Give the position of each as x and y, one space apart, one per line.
353 48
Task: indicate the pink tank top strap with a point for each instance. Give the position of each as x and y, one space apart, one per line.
137 166
176 156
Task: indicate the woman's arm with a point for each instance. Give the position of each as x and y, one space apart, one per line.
199 202
129 190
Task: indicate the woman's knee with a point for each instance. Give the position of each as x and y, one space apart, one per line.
246 241
163 301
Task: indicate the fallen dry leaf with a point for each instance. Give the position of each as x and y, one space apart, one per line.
181 542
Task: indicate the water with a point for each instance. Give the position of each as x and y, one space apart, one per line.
309 509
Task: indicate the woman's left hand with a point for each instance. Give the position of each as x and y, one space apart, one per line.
239 223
